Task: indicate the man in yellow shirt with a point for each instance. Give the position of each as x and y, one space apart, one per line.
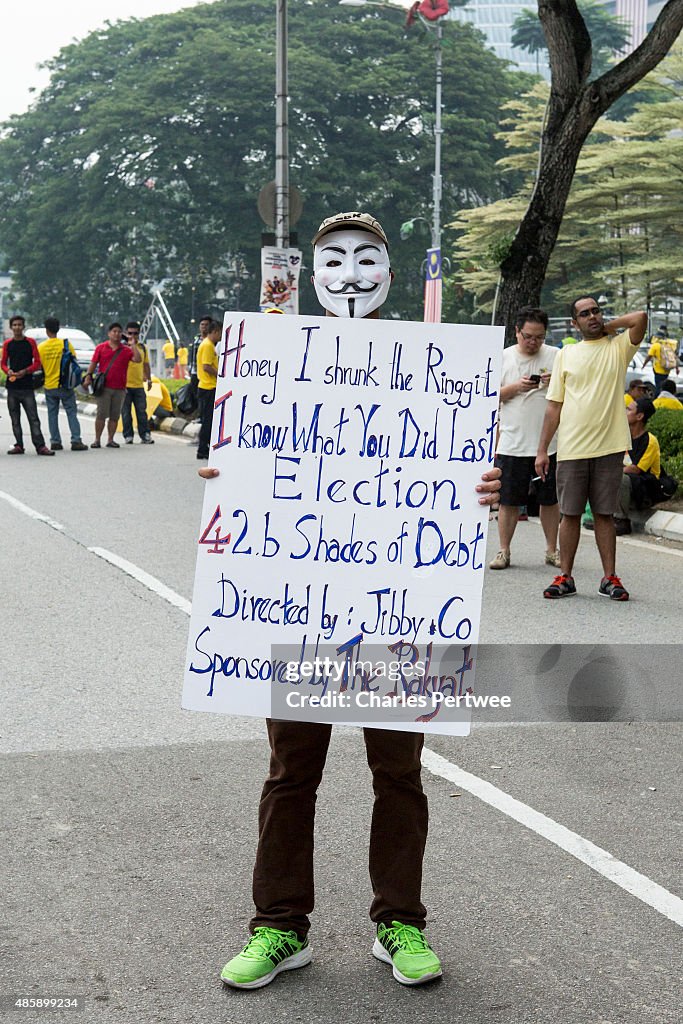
138 375
664 357
207 372
182 361
51 351
639 481
586 409
666 399
168 350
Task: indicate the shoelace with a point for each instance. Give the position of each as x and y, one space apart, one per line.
263 943
559 579
409 937
616 581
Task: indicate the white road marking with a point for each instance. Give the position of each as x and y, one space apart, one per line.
151 582
640 886
31 512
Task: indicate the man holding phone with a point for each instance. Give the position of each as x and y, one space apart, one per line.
525 376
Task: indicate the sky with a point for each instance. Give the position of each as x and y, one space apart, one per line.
35 30
38 29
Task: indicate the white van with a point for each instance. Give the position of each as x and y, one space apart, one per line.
83 344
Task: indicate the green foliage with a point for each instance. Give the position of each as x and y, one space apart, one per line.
674 467
667 426
143 159
623 222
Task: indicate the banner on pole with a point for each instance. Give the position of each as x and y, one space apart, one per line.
280 270
341 550
433 287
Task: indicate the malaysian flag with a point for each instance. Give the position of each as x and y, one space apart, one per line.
433 287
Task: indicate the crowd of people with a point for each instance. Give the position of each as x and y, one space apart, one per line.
119 378
565 443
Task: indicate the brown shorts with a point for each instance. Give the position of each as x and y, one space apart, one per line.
110 403
594 480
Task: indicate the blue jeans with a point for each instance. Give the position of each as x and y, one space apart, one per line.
53 397
135 398
24 398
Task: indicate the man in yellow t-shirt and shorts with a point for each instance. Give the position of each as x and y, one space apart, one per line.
168 350
586 410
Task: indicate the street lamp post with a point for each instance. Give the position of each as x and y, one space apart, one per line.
438 132
433 263
281 130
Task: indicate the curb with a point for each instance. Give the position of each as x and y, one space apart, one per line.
173 425
659 523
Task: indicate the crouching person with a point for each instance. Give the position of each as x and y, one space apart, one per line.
640 482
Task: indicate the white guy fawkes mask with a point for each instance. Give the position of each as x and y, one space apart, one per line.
351 272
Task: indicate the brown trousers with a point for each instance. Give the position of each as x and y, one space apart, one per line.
283 874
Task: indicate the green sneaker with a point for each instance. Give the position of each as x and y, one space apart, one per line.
268 952
406 949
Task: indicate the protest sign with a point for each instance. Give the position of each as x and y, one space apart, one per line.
345 522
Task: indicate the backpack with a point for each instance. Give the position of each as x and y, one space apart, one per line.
667 355
70 373
186 399
668 485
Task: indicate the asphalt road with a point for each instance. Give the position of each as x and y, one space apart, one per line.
130 826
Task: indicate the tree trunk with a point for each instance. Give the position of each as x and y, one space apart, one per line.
574 106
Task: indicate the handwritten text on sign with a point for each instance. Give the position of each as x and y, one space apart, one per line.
345 511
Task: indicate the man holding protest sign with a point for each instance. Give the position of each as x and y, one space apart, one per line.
352 277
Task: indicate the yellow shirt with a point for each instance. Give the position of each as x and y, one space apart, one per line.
628 399
206 355
169 350
588 379
166 400
182 356
650 456
655 350
50 352
661 402
136 371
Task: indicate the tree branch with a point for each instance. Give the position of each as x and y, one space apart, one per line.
569 45
659 40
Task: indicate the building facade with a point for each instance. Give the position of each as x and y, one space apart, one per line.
494 18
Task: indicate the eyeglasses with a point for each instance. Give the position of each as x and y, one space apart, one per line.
532 337
136 333
593 311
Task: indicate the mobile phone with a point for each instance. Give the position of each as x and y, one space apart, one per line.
535 377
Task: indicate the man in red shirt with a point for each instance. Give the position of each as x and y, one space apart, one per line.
111 358
20 359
